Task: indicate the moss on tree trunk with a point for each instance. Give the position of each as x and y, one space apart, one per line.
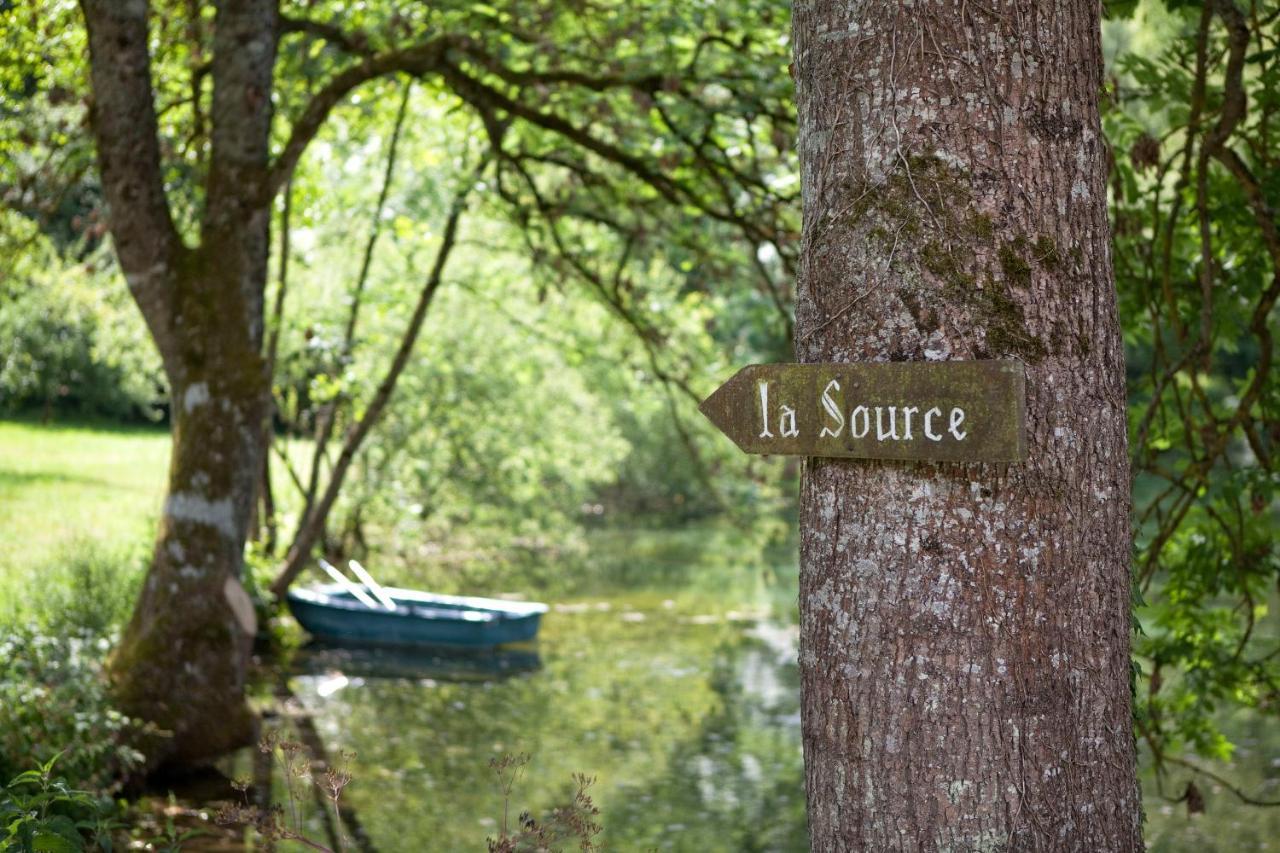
965 627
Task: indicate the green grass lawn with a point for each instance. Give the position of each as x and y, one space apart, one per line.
85 490
65 484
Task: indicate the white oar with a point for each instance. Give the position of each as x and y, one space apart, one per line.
347 585
374 587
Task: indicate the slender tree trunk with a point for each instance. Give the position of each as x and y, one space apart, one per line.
327 416
273 349
311 530
965 628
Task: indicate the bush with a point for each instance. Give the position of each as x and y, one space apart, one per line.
54 701
72 339
54 697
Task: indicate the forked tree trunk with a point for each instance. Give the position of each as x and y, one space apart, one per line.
183 658
965 628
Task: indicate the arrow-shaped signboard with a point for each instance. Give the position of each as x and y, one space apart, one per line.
955 411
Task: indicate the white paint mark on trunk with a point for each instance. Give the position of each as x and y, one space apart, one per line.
200 510
197 394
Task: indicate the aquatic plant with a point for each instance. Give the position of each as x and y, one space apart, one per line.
572 824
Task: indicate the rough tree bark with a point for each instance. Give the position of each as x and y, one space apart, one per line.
965 628
183 657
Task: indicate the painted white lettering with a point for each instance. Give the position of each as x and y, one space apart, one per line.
957 418
787 423
764 410
935 412
881 435
866 422
833 410
907 412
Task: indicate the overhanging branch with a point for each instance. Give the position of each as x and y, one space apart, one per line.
418 60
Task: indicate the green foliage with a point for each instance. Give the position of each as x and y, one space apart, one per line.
541 398
42 812
490 431
73 342
54 701
45 154
1198 271
54 698
639 160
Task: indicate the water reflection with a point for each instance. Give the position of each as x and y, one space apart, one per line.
683 703
689 724
339 664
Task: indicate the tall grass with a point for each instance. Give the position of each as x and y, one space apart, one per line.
85 587
89 587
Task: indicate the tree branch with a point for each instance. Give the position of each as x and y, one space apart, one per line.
646 83
485 98
375 227
124 124
328 416
356 44
243 60
418 60
300 551
1238 792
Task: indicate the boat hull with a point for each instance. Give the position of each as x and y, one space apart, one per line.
420 619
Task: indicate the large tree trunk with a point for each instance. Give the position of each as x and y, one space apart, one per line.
965 628
183 658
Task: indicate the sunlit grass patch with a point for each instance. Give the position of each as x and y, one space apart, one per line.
65 489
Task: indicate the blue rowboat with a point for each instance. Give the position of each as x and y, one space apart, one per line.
334 613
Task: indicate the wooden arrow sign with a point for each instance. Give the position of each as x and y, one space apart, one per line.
954 411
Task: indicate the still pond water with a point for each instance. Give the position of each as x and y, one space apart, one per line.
683 704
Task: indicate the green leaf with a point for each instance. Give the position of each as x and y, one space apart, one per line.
47 767
50 842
